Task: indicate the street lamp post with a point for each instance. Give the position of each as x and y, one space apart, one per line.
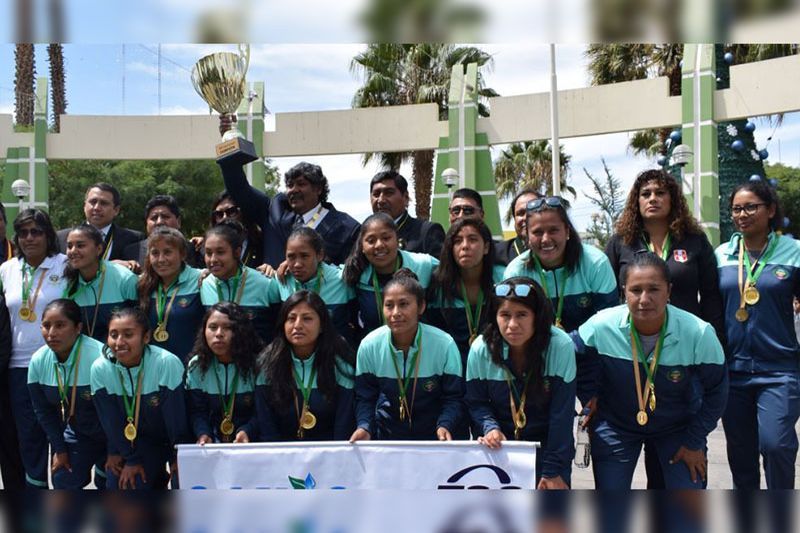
681 155
21 189
450 179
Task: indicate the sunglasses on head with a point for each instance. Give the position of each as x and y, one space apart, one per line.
551 202
505 290
230 212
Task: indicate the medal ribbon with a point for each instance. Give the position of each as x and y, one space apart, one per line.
315 217
516 246
28 273
227 406
754 271
9 250
562 292
377 289
472 319
110 243
402 379
62 389
298 285
664 249
239 281
161 302
640 356
514 393
305 390
132 404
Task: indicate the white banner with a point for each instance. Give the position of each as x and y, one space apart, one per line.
364 465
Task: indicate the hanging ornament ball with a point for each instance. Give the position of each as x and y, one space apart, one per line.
773 183
675 135
755 177
729 58
662 160
737 145
750 127
763 154
786 222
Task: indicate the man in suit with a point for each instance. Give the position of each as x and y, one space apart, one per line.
507 250
305 202
389 194
101 206
160 210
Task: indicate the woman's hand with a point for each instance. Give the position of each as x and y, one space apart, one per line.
591 405
443 434
114 464
493 440
61 460
241 436
131 265
203 275
267 270
198 243
552 483
695 461
204 439
127 479
360 434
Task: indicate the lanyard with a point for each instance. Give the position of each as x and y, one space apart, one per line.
305 389
62 389
377 289
562 292
9 251
640 356
110 243
239 281
664 249
405 216
227 406
403 380
298 285
132 405
28 273
473 320
314 218
517 409
517 249
98 296
754 271
161 302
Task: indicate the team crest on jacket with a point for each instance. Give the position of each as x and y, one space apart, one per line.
584 301
781 274
675 376
86 395
680 256
183 302
153 401
54 278
429 385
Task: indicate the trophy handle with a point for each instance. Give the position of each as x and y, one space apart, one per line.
244 53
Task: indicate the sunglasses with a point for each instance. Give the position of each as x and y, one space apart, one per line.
222 213
467 210
32 232
551 202
505 290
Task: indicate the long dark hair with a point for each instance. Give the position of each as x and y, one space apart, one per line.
42 221
447 277
138 316
276 359
766 194
356 262
681 222
245 343
72 274
542 310
572 250
149 280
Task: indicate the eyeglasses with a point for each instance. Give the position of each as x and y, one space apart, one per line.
749 209
467 210
551 202
32 232
504 290
223 213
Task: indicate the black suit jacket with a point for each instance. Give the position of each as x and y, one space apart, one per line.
123 237
421 236
339 230
505 251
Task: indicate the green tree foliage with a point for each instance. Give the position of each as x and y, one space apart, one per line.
193 183
788 192
402 74
609 198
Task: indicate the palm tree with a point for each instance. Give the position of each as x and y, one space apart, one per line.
402 74
528 165
24 75
55 53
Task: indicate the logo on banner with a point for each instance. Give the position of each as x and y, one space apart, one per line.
303 484
503 479
680 256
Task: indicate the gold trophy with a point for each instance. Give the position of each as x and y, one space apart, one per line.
219 79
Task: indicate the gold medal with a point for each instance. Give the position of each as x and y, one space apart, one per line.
641 418
402 410
31 316
751 295
652 399
308 420
24 313
520 421
130 431
742 315
226 426
160 335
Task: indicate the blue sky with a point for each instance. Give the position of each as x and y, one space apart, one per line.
308 77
